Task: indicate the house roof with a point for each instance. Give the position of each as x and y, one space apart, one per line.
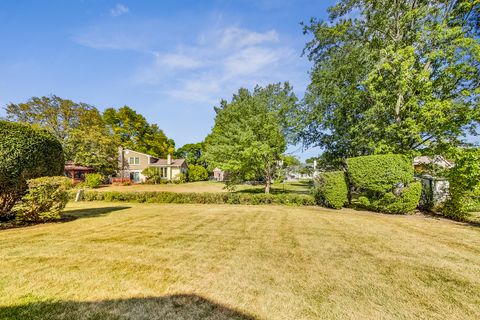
163 162
160 162
69 165
438 160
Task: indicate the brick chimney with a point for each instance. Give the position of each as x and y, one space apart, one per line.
169 159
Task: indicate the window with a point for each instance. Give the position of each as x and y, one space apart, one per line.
163 172
134 160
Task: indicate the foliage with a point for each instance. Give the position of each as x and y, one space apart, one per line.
385 183
182 178
93 180
405 202
249 137
398 78
45 199
25 153
200 198
464 178
192 153
55 114
331 189
289 160
95 148
78 126
153 175
379 173
134 132
197 173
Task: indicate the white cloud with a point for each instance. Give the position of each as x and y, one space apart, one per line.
177 60
237 37
222 61
119 10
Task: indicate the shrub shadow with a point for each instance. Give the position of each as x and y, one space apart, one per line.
180 306
92 212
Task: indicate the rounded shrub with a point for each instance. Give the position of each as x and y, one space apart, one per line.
379 173
45 199
331 189
197 173
25 153
93 180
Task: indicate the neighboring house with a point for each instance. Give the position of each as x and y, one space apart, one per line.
132 163
300 172
77 172
422 161
219 174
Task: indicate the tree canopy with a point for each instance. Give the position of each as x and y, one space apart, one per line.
248 138
392 76
192 153
134 132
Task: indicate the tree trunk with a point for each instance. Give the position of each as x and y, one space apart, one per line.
268 184
398 107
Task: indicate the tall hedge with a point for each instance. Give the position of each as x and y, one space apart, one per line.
378 173
331 189
384 183
25 153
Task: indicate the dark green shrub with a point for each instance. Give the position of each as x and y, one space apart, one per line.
93 180
406 202
45 199
331 189
197 173
25 153
379 173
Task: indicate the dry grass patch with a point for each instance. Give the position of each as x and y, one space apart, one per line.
147 261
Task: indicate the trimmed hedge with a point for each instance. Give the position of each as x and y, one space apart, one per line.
379 173
406 202
25 153
198 198
331 190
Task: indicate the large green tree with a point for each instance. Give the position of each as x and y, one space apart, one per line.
78 126
192 153
392 76
55 114
248 138
134 132
94 148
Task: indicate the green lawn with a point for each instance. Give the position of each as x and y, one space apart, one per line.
150 261
302 187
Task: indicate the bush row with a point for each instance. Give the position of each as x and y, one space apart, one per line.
198 198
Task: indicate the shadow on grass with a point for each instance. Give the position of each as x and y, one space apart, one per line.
92 212
180 306
67 216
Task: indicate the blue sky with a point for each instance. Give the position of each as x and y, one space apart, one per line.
170 60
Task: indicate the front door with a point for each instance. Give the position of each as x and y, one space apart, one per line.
135 176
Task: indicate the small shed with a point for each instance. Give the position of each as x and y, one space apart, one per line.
77 172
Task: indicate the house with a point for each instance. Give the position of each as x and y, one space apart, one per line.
219 174
421 162
76 172
132 163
